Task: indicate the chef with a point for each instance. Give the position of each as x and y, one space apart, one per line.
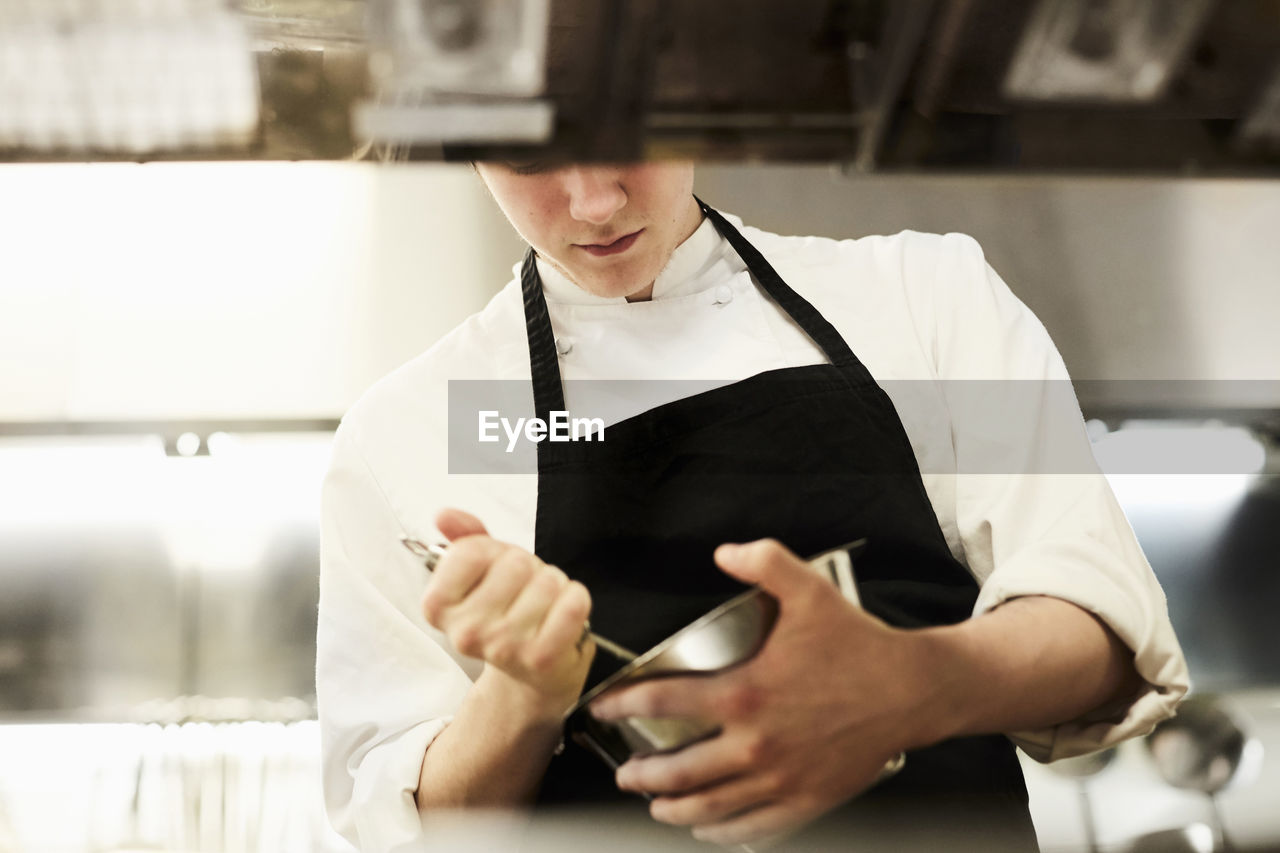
834 399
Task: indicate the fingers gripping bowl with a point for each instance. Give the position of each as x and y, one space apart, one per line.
729 635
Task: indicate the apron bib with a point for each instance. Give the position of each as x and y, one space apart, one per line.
812 456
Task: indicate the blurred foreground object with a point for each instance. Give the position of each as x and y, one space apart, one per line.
1130 86
1107 50
457 71
1081 768
125 76
1202 749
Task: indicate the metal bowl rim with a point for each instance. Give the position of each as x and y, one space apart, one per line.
693 627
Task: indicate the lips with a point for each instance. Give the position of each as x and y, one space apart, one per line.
616 247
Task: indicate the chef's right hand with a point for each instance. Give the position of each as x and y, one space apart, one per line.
503 605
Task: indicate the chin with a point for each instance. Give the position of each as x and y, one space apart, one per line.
613 287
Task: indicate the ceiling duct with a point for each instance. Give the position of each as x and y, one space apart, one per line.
1093 86
1113 51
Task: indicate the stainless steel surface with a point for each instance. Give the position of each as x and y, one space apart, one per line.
1159 294
728 635
430 554
130 576
1134 807
1201 748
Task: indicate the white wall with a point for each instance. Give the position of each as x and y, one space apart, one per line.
231 289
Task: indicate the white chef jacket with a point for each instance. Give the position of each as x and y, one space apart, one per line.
913 306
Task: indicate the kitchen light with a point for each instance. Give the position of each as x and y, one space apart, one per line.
213 512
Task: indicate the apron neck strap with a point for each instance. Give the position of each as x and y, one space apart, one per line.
548 392
817 327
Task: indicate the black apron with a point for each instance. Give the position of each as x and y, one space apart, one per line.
812 456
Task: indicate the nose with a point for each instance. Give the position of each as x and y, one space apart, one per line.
595 193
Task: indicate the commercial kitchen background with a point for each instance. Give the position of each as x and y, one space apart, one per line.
178 340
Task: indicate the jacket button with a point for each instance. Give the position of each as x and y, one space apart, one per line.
724 294
564 346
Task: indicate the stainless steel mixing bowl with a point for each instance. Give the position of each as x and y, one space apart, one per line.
726 636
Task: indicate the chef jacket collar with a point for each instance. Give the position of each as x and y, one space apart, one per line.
687 272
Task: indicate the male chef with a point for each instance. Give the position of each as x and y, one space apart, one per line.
1001 603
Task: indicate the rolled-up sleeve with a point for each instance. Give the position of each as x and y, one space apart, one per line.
384 685
1034 514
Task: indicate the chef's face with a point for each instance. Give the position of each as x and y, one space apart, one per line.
609 228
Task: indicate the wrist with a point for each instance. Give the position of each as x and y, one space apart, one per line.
941 685
537 708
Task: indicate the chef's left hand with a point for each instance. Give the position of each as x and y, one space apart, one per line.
806 724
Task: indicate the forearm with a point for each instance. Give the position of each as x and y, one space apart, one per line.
501 604
495 751
1031 663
